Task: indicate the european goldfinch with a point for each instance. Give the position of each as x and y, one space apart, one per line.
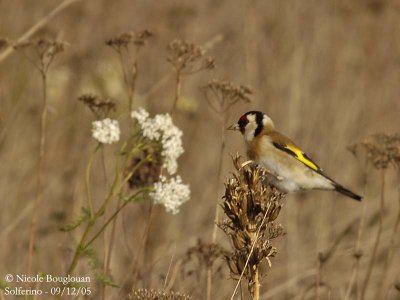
289 168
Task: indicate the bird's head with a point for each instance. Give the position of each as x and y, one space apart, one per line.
251 124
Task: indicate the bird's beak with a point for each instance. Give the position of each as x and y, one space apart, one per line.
233 127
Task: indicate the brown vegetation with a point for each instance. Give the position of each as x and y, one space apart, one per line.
326 72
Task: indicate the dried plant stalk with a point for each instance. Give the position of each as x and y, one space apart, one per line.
200 259
252 208
382 150
221 96
186 58
128 45
44 51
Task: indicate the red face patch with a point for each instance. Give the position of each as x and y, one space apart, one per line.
243 121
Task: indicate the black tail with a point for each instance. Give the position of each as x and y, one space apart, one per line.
347 192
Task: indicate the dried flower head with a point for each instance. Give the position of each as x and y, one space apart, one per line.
171 193
4 43
251 208
45 49
149 171
222 95
162 129
188 58
397 286
101 107
382 149
150 294
106 131
124 40
201 258
205 253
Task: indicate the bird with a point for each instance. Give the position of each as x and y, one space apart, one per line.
289 169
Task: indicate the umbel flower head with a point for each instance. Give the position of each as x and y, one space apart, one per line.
171 193
382 150
251 208
106 131
100 107
188 58
161 128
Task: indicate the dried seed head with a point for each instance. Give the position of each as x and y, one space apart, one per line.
252 208
397 286
205 253
221 95
150 294
101 107
44 50
201 258
124 40
148 172
188 58
4 43
44 46
382 150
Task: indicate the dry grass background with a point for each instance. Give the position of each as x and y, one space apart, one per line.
327 72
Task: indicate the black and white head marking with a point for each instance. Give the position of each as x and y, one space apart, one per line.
252 123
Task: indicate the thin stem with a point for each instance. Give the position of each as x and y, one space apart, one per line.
111 242
39 172
169 270
178 84
91 221
143 244
174 275
126 80
9 50
217 208
165 79
389 256
105 249
112 217
318 275
115 188
220 164
134 72
256 285
86 232
130 83
357 252
79 248
248 257
378 237
208 282
87 180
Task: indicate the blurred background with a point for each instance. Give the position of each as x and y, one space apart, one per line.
327 72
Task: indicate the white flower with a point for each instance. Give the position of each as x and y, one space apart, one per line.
172 194
141 115
161 128
106 131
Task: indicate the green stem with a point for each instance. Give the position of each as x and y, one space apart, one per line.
112 217
79 248
115 189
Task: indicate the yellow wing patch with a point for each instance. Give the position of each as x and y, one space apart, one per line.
302 157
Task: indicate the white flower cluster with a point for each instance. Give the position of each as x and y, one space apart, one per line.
106 131
171 193
161 128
